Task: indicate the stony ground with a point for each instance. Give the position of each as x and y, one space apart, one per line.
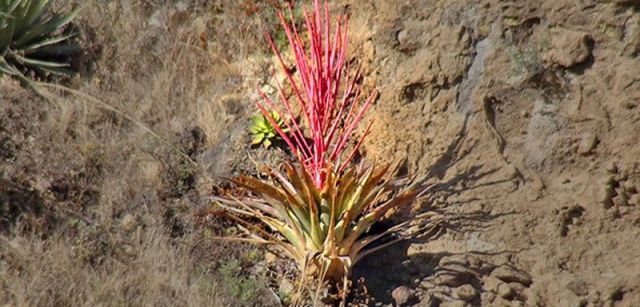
525 115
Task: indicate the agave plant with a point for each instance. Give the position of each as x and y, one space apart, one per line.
262 131
324 230
32 40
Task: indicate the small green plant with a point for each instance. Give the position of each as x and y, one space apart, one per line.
240 287
262 131
31 40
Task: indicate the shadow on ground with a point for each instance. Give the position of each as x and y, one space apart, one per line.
389 268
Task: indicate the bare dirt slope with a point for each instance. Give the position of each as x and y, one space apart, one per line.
525 115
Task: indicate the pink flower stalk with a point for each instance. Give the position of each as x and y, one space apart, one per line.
330 117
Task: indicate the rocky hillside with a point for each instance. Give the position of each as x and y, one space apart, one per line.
524 114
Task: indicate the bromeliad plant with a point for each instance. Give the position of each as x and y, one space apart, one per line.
327 97
324 230
32 40
323 209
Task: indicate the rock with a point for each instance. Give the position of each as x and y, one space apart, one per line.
621 200
534 298
453 260
612 213
453 303
518 287
622 176
491 283
487 297
606 196
466 293
450 279
505 291
486 268
454 275
509 274
627 82
474 261
614 292
578 287
512 172
427 284
569 47
402 295
411 37
428 300
623 211
630 187
587 143
500 302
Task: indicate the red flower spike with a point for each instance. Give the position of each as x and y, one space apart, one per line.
329 119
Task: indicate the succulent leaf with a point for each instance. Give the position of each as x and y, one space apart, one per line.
262 131
331 222
35 11
7 27
32 40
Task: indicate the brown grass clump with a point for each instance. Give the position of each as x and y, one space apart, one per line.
97 211
158 274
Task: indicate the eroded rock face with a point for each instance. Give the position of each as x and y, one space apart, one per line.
569 48
516 110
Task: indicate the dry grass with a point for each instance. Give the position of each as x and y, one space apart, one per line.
48 273
95 210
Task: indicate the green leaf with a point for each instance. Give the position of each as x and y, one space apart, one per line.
41 63
11 6
20 14
255 119
44 29
7 68
257 139
267 142
59 71
59 50
263 125
47 42
7 28
35 11
254 130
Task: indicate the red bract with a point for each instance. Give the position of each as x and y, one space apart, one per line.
328 98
